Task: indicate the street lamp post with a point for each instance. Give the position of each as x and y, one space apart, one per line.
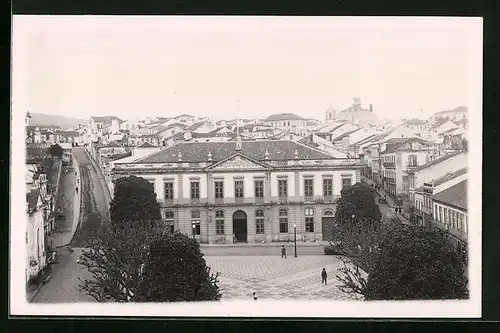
295 239
194 228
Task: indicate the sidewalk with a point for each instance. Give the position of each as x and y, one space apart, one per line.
63 236
390 201
274 244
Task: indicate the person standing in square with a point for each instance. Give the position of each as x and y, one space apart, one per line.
324 277
283 251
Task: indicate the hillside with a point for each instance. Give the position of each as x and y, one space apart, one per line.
41 119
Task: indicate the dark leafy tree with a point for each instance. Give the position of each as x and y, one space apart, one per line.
176 271
56 151
115 256
357 200
417 264
407 263
134 200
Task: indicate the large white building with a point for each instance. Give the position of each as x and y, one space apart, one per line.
288 122
257 191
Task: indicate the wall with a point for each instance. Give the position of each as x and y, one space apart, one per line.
438 170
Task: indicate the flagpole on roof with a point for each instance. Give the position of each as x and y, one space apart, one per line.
238 118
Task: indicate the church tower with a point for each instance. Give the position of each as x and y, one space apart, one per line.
27 119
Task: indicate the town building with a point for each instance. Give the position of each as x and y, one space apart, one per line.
100 126
356 114
421 211
397 157
257 191
449 209
288 122
458 113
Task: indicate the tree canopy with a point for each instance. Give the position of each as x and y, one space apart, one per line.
56 151
114 256
357 200
142 262
406 263
134 200
176 271
416 264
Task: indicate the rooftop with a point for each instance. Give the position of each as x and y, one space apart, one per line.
106 119
455 196
199 151
146 145
446 178
437 161
283 116
395 143
457 109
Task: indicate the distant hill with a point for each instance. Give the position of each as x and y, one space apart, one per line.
41 119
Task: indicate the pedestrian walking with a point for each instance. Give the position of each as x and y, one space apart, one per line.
77 190
283 251
254 296
324 277
395 209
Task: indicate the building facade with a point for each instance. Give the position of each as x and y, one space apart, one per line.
288 122
255 191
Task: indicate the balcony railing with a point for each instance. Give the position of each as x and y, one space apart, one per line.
389 165
200 165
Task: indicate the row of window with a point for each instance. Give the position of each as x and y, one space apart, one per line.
258 188
451 217
259 220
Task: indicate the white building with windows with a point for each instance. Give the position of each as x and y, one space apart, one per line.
256 191
288 122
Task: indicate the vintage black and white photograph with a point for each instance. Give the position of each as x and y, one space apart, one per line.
246 166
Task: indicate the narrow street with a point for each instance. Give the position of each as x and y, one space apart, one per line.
96 186
62 287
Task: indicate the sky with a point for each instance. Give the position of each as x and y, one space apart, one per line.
133 67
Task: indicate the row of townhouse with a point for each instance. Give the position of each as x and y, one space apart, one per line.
258 191
442 203
40 220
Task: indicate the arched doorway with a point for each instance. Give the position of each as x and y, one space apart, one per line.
327 220
240 226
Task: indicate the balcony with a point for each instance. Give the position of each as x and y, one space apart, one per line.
389 180
389 165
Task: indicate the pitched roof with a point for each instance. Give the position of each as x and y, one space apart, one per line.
455 196
436 161
112 144
457 109
183 115
283 116
146 145
198 151
415 121
195 126
106 119
32 199
392 146
439 122
346 134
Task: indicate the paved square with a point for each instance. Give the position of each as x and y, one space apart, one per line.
276 278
